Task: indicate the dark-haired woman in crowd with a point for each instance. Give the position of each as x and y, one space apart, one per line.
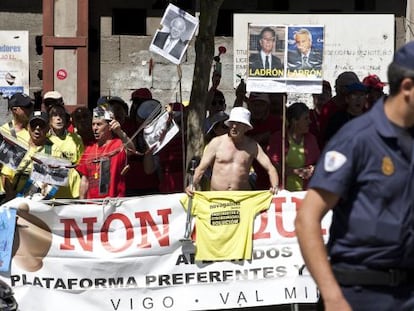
301 149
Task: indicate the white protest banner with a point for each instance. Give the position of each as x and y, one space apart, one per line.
14 62
7 227
125 254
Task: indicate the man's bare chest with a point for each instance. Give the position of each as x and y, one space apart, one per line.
232 154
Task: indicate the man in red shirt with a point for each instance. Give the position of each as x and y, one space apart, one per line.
103 163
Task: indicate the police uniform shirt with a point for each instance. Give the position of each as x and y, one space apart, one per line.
224 222
372 223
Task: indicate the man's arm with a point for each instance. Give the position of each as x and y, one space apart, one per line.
129 144
206 161
315 205
264 161
83 187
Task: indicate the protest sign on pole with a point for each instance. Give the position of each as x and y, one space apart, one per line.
345 47
14 62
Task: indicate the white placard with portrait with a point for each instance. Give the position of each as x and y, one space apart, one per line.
178 28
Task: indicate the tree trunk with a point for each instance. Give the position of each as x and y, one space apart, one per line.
204 46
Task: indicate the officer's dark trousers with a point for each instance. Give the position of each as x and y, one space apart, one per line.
379 298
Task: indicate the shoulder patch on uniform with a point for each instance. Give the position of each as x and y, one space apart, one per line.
333 161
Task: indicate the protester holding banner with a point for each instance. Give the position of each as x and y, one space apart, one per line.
231 157
70 146
18 182
365 176
103 164
21 106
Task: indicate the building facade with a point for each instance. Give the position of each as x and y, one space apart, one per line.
120 32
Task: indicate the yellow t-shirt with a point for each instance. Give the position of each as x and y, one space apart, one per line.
224 222
70 148
25 168
23 135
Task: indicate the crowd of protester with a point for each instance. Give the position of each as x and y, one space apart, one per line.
104 149
109 156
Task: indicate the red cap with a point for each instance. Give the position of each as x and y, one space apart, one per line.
142 93
373 82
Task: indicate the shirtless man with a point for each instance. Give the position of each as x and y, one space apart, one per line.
231 156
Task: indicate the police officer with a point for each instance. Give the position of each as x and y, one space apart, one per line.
365 175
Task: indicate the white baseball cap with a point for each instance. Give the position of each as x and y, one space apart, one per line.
52 95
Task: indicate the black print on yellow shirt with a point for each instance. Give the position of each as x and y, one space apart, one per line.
225 218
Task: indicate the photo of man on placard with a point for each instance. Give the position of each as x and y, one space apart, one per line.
11 153
172 40
266 51
305 51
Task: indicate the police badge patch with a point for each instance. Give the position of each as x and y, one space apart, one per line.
387 166
333 161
